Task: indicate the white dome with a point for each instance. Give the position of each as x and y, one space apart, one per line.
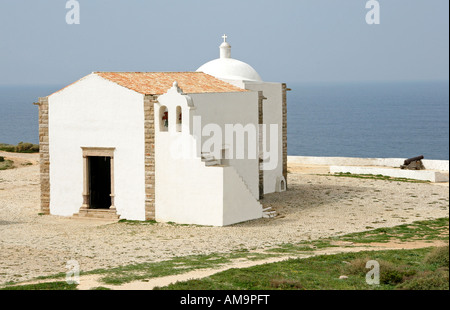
228 68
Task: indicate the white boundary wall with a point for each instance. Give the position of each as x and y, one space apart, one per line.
424 175
430 164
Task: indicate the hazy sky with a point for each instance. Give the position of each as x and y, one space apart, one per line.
284 40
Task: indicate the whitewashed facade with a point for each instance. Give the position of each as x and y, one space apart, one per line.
137 146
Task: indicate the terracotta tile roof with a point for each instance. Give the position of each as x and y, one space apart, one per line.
157 83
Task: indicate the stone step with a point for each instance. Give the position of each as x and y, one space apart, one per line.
212 163
208 158
97 213
94 219
269 214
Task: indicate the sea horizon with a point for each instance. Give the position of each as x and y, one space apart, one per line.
368 119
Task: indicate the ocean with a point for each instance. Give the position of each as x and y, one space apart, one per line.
377 120
18 115
369 120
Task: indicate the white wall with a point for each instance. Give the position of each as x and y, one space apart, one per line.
272 114
239 203
238 83
95 112
186 190
232 108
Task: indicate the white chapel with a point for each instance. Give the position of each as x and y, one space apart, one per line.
200 147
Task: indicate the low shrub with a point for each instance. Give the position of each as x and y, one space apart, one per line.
427 280
26 148
356 266
286 284
22 147
439 257
6 147
390 274
6 164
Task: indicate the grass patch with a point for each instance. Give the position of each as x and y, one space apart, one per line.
398 269
42 286
22 147
374 177
420 230
131 222
291 248
306 246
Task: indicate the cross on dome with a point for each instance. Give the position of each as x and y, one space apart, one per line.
228 68
225 48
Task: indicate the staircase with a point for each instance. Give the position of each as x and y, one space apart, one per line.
210 160
269 214
105 214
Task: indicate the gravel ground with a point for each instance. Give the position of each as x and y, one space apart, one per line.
315 206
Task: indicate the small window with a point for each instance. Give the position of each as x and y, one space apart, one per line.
280 185
179 119
163 119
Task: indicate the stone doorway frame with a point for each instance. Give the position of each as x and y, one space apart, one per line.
101 152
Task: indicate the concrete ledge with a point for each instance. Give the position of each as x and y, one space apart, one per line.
424 175
430 164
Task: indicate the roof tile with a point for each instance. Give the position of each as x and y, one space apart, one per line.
157 83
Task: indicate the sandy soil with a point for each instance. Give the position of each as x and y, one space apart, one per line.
21 159
315 206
